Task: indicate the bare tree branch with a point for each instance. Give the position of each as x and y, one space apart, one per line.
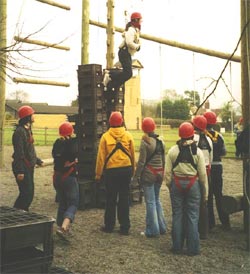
223 70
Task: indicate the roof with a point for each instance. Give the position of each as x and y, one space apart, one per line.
42 108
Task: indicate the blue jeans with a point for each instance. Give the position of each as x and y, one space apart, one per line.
155 220
185 217
67 192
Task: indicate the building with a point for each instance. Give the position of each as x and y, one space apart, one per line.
45 115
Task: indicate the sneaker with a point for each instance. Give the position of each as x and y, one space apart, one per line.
63 235
106 78
148 236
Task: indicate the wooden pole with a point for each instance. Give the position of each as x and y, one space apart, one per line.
245 97
3 26
55 4
110 34
176 44
85 32
40 82
40 43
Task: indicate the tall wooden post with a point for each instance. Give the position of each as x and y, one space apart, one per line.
110 33
3 26
245 92
85 32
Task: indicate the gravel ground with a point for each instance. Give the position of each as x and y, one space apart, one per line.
91 251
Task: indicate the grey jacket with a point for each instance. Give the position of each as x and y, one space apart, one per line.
152 171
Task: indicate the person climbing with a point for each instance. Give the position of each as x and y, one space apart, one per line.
129 46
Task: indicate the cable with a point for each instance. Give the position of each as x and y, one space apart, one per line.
223 70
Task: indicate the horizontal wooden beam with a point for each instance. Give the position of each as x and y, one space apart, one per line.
39 82
55 4
176 44
40 43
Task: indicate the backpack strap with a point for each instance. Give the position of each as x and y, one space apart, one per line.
213 137
190 157
203 137
158 143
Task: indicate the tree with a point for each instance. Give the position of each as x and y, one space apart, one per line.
192 97
74 103
178 109
227 114
149 110
19 95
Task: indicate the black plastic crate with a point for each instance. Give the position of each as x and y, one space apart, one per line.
88 104
85 82
19 229
89 69
59 270
88 142
25 260
87 193
100 195
86 156
86 170
98 117
95 90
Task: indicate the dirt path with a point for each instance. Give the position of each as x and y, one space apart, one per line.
91 251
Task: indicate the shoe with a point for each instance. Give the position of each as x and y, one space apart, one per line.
191 254
226 227
124 232
63 235
106 78
106 230
149 236
176 251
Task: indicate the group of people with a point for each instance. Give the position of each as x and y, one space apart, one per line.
192 170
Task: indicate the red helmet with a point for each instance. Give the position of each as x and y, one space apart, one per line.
211 117
135 19
135 15
200 122
148 125
25 111
65 129
115 119
241 120
186 130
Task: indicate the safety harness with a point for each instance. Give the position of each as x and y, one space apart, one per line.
58 151
203 144
185 156
213 137
158 150
117 146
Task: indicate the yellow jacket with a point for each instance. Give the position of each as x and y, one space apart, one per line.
119 158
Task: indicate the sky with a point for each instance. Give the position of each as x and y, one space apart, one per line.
210 24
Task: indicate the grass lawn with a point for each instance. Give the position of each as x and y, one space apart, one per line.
170 136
